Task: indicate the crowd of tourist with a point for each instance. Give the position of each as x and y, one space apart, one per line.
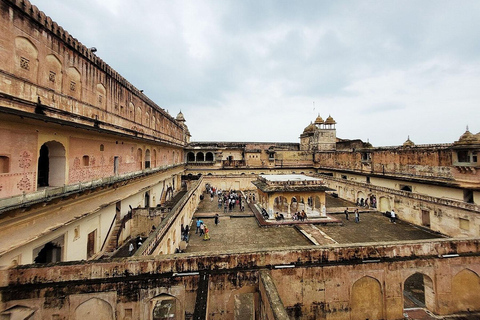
369 202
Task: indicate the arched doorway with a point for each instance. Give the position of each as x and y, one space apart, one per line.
147 158
280 205
165 306
209 156
418 292
94 309
384 204
366 301
147 199
466 291
51 165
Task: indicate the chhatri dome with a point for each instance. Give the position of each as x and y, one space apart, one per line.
408 143
319 120
330 120
180 116
309 128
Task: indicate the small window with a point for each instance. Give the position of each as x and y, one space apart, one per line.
406 188
73 85
464 224
368 179
100 99
24 63
474 156
463 156
102 147
4 164
468 196
86 161
344 177
51 76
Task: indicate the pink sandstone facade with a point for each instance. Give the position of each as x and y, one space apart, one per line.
87 159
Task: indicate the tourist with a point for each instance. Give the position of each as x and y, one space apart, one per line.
139 244
216 219
185 233
393 216
202 229
357 216
346 213
199 222
206 235
130 249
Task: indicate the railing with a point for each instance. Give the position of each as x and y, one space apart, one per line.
54 192
108 233
441 201
152 242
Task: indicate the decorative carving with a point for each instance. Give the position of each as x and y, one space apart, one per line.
25 160
76 163
24 184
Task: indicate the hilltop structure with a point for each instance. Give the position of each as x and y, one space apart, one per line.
88 162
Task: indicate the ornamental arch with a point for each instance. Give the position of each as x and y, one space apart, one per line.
418 290
466 291
26 59
54 73
51 165
384 204
94 308
165 306
366 301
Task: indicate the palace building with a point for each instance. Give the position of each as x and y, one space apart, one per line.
88 162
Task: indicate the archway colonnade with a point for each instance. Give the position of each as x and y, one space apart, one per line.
200 156
288 203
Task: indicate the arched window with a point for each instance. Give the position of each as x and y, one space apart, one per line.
147 159
209 156
200 156
51 164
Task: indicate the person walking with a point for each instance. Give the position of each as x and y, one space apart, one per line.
202 228
217 219
199 222
185 233
206 236
393 217
357 216
130 249
346 213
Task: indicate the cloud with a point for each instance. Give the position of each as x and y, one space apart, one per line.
250 70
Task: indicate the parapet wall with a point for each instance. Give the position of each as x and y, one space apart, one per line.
315 282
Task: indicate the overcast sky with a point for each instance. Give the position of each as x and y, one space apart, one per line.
263 70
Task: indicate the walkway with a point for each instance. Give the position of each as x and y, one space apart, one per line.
241 231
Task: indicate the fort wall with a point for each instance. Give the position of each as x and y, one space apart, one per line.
339 282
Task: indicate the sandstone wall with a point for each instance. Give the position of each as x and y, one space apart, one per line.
338 282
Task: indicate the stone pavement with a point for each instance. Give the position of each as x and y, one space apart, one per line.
240 230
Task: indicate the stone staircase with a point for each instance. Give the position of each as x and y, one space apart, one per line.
113 238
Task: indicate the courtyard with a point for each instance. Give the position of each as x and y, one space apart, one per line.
240 230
